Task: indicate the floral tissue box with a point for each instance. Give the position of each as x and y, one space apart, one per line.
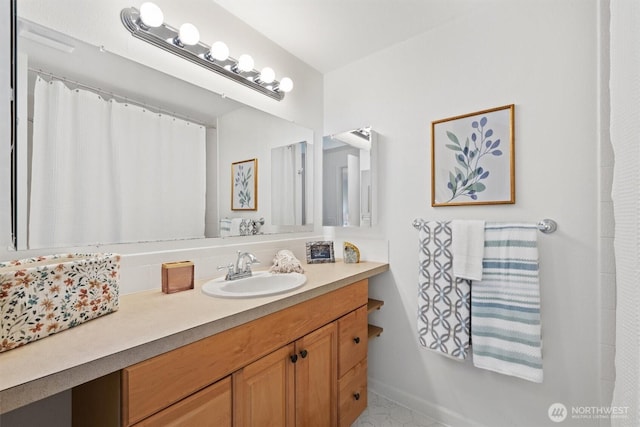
44 295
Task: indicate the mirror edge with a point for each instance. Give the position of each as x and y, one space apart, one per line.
13 122
373 153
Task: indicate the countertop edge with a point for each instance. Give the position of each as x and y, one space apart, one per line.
31 391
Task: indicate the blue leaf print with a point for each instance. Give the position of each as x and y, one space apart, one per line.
464 181
453 137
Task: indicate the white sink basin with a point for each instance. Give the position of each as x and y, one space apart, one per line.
260 284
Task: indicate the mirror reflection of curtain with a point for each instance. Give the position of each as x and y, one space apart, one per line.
284 177
141 177
353 183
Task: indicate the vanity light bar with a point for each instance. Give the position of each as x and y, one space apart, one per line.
184 42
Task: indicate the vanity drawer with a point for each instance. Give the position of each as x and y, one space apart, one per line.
208 407
352 339
352 394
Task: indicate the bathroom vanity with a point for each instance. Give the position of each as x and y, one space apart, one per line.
293 359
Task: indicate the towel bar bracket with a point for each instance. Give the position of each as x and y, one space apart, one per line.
547 226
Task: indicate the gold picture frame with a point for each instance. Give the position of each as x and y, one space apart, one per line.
244 185
473 158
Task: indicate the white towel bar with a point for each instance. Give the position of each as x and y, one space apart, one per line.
547 225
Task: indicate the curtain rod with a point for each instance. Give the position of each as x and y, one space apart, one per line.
128 100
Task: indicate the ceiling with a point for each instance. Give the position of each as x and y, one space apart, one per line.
328 34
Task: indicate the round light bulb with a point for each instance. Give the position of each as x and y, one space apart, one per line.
151 15
219 51
189 34
286 84
267 75
245 62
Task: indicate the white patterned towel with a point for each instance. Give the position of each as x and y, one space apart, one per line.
443 300
505 304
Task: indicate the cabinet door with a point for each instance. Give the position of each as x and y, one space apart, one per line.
317 378
209 407
263 392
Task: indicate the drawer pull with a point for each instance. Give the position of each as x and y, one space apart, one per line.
356 396
356 340
303 353
294 358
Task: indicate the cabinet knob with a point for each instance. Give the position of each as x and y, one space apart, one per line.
294 358
356 340
356 396
303 353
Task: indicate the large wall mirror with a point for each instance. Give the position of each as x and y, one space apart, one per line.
349 175
109 150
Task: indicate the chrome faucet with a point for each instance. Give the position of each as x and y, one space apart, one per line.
242 267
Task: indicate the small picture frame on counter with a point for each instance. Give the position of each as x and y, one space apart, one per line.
320 252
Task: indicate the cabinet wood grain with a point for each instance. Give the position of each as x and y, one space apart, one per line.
317 378
264 391
210 407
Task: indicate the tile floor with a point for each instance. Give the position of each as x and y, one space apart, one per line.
382 412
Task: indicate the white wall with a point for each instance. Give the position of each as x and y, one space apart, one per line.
541 56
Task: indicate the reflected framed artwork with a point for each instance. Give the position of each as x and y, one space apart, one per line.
473 158
244 185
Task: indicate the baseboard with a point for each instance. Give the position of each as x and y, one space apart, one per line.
424 407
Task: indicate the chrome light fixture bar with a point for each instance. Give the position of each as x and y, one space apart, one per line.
184 42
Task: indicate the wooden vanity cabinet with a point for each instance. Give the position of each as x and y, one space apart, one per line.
304 365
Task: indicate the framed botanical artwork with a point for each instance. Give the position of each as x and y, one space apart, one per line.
472 159
320 252
244 185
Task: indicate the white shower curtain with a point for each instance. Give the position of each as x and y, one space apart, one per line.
625 138
284 197
108 172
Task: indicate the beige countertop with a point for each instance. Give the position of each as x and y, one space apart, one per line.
147 324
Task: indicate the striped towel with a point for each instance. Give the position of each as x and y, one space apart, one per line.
505 304
443 300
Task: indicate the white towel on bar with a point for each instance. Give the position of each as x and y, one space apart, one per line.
443 300
505 305
467 247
